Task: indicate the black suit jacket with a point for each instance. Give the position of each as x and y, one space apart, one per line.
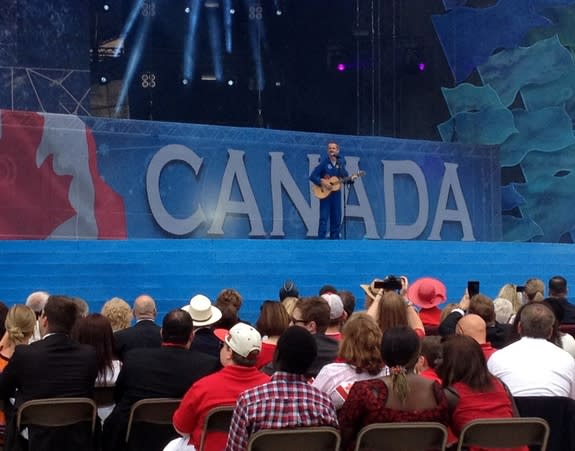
50 368
144 334
163 372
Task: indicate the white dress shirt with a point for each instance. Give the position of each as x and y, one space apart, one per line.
534 367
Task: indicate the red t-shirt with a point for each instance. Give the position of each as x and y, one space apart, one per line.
218 389
266 354
488 350
430 316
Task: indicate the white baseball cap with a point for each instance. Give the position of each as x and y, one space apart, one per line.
335 305
243 339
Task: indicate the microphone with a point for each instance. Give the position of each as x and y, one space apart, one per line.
337 157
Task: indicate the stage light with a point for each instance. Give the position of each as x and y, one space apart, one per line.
278 84
421 67
232 11
103 80
278 12
190 40
231 82
341 67
187 10
106 7
185 81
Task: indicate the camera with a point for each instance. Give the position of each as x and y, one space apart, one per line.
389 283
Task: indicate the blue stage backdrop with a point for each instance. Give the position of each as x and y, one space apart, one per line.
103 178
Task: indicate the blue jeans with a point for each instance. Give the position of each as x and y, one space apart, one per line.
330 208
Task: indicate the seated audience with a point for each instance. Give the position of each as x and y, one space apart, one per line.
288 296
358 358
473 326
287 401
82 307
238 356
475 393
509 292
53 367
337 315
557 288
534 290
446 310
272 322
36 301
95 330
533 366
504 312
312 313
204 315
427 293
288 290
166 371
118 313
401 397
390 309
498 334
145 333
348 299
19 325
430 353
229 301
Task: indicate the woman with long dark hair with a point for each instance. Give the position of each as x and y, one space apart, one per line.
96 330
475 392
403 396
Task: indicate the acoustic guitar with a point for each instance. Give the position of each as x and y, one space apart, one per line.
321 192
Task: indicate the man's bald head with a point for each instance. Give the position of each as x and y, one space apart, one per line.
473 326
144 307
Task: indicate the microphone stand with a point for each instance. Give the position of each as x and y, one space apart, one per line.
343 224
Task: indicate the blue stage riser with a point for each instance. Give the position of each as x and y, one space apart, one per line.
172 271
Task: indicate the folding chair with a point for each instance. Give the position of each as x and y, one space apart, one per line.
320 438
505 433
152 410
558 411
55 412
415 436
218 419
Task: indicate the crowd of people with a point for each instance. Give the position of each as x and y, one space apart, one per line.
307 361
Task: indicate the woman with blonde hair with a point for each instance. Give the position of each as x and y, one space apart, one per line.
119 313
403 396
20 323
358 358
509 292
534 290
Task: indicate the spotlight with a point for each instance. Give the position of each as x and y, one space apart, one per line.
341 67
278 12
187 10
106 7
232 11
103 80
185 81
231 82
421 67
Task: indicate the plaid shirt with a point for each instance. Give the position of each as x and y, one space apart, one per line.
287 401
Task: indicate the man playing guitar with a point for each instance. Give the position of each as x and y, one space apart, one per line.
330 206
